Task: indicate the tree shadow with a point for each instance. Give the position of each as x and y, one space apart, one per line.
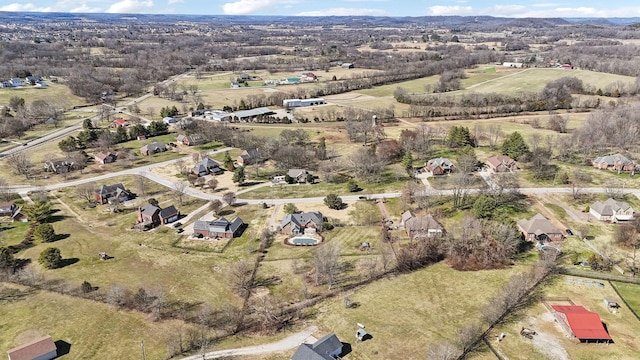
59 237
226 212
62 348
67 262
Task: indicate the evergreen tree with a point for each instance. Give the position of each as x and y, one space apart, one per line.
158 128
239 176
407 162
514 146
44 233
50 258
228 162
7 261
333 201
121 134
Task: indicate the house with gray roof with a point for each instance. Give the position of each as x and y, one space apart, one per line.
439 166
615 162
220 228
611 210
327 348
421 226
107 192
207 166
539 228
295 224
153 148
249 156
150 216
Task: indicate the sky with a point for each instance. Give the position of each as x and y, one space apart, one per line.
501 8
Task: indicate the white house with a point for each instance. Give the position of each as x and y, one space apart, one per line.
611 210
302 102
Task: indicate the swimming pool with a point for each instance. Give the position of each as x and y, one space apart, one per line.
303 241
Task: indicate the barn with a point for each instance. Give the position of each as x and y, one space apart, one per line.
581 323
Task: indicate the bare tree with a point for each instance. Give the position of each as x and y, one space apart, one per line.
326 262
212 183
241 276
142 185
614 188
4 191
215 206
86 191
229 197
181 165
443 351
20 163
179 191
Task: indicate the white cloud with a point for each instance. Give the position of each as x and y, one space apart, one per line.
545 5
130 6
84 8
173 2
243 7
440 10
345 12
23 7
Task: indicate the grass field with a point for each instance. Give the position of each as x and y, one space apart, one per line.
55 94
94 330
409 312
631 294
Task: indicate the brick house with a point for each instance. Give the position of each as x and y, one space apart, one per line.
540 229
616 162
249 157
151 216
294 224
153 148
421 226
191 140
501 163
439 166
105 157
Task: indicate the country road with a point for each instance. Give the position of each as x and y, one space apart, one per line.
283 345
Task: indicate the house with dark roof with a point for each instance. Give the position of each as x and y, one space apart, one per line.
615 162
207 166
249 156
220 228
421 226
540 229
105 157
581 323
153 148
501 163
151 216
107 192
191 140
439 166
294 224
327 348
611 210
40 349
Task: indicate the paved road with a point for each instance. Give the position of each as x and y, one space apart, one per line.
283 345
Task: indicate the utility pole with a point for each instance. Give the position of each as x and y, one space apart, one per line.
144 353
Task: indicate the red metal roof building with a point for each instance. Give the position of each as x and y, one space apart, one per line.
585 325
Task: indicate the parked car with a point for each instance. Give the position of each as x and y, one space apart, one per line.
569 232
196 235
177 224
179 231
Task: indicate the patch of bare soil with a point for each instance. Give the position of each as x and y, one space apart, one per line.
548 344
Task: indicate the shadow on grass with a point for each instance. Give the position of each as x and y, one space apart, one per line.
226 212
59 237
346 349
63 348
67 262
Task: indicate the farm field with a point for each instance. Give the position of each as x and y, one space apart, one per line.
552 341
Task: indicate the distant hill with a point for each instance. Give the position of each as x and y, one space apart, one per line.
440 21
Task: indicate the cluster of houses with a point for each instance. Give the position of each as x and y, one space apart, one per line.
496 163
35 81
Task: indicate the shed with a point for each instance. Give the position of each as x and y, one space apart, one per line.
40 349
581 323
361 334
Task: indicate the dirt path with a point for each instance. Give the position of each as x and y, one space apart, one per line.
283 345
